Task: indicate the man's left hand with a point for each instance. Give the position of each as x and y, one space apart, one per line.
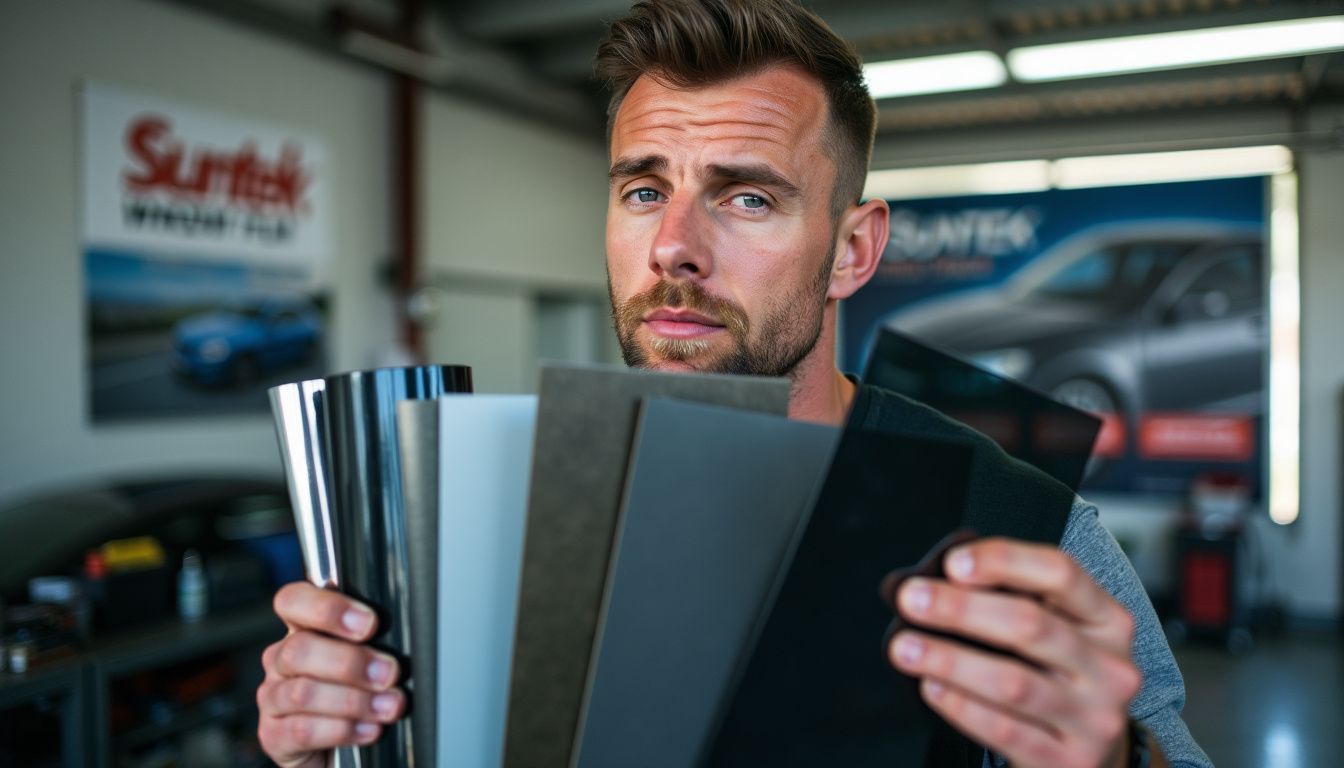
1065 701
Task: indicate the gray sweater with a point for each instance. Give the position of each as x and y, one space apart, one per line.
994 475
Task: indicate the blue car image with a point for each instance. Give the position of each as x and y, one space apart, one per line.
236 346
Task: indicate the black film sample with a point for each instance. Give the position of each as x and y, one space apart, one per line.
818 689
812 693
1055 438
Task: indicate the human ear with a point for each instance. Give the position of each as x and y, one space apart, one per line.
860 240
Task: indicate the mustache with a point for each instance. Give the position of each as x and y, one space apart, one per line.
682 295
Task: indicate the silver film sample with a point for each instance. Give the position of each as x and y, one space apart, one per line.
338 440
301 426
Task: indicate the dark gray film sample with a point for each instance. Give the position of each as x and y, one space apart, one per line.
712 502
585 426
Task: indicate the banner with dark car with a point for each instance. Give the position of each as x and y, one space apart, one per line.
205 244
1144 304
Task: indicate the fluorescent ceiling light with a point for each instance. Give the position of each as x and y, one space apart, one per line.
1076 172
1172 50
977 179
935 74
1153 167
1285 355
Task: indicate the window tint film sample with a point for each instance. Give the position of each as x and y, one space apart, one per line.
712 503
818 690
1054 438
484 461
418 450
585 427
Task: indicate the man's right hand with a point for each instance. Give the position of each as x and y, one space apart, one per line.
323 689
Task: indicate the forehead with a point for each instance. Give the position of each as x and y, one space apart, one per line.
780 111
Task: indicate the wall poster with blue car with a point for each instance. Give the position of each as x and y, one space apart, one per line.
1144 304
206 242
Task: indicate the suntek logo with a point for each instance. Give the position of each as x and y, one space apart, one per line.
209 192
243 176
962 234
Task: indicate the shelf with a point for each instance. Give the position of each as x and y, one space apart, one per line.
84 678
211 710
58 677
166 644
162 645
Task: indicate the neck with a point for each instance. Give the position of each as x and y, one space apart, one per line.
821 394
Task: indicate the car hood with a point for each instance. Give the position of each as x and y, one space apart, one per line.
972 324
209 326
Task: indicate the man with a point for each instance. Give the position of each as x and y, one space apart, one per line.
740 132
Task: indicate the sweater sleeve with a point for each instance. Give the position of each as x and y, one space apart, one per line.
1162 697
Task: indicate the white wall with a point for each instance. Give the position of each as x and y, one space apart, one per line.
1312 548
493 332
510 200
1303 559
512 211
46 48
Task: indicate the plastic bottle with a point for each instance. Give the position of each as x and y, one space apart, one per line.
191 594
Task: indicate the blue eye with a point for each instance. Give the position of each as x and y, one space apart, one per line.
646 195
752 202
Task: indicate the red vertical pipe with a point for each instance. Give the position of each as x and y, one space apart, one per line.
406 96
406 202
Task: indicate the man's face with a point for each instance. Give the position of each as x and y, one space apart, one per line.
719 229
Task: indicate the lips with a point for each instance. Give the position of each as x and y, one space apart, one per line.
681 324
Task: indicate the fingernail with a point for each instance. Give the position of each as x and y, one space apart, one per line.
917 595
385 704
380 671
961 564
357 620
909 649
933 688
366 731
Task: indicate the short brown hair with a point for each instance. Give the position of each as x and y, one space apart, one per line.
689 43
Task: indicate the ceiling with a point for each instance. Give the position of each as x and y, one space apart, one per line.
536 55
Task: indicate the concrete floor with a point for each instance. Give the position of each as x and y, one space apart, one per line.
1279 706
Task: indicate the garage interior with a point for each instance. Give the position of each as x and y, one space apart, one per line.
465 187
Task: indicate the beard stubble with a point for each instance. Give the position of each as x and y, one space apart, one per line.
789 329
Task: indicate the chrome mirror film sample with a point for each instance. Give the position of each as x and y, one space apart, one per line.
338 436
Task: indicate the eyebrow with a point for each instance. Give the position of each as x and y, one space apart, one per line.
752 173
758 174
630 167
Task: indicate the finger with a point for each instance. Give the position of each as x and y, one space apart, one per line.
305 696
1009 684
1011 622
268 659
291 739
1020 740
307 654
1035 569
304 606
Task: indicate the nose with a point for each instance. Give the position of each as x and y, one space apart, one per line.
681 246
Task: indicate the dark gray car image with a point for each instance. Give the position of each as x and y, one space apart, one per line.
1133 319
